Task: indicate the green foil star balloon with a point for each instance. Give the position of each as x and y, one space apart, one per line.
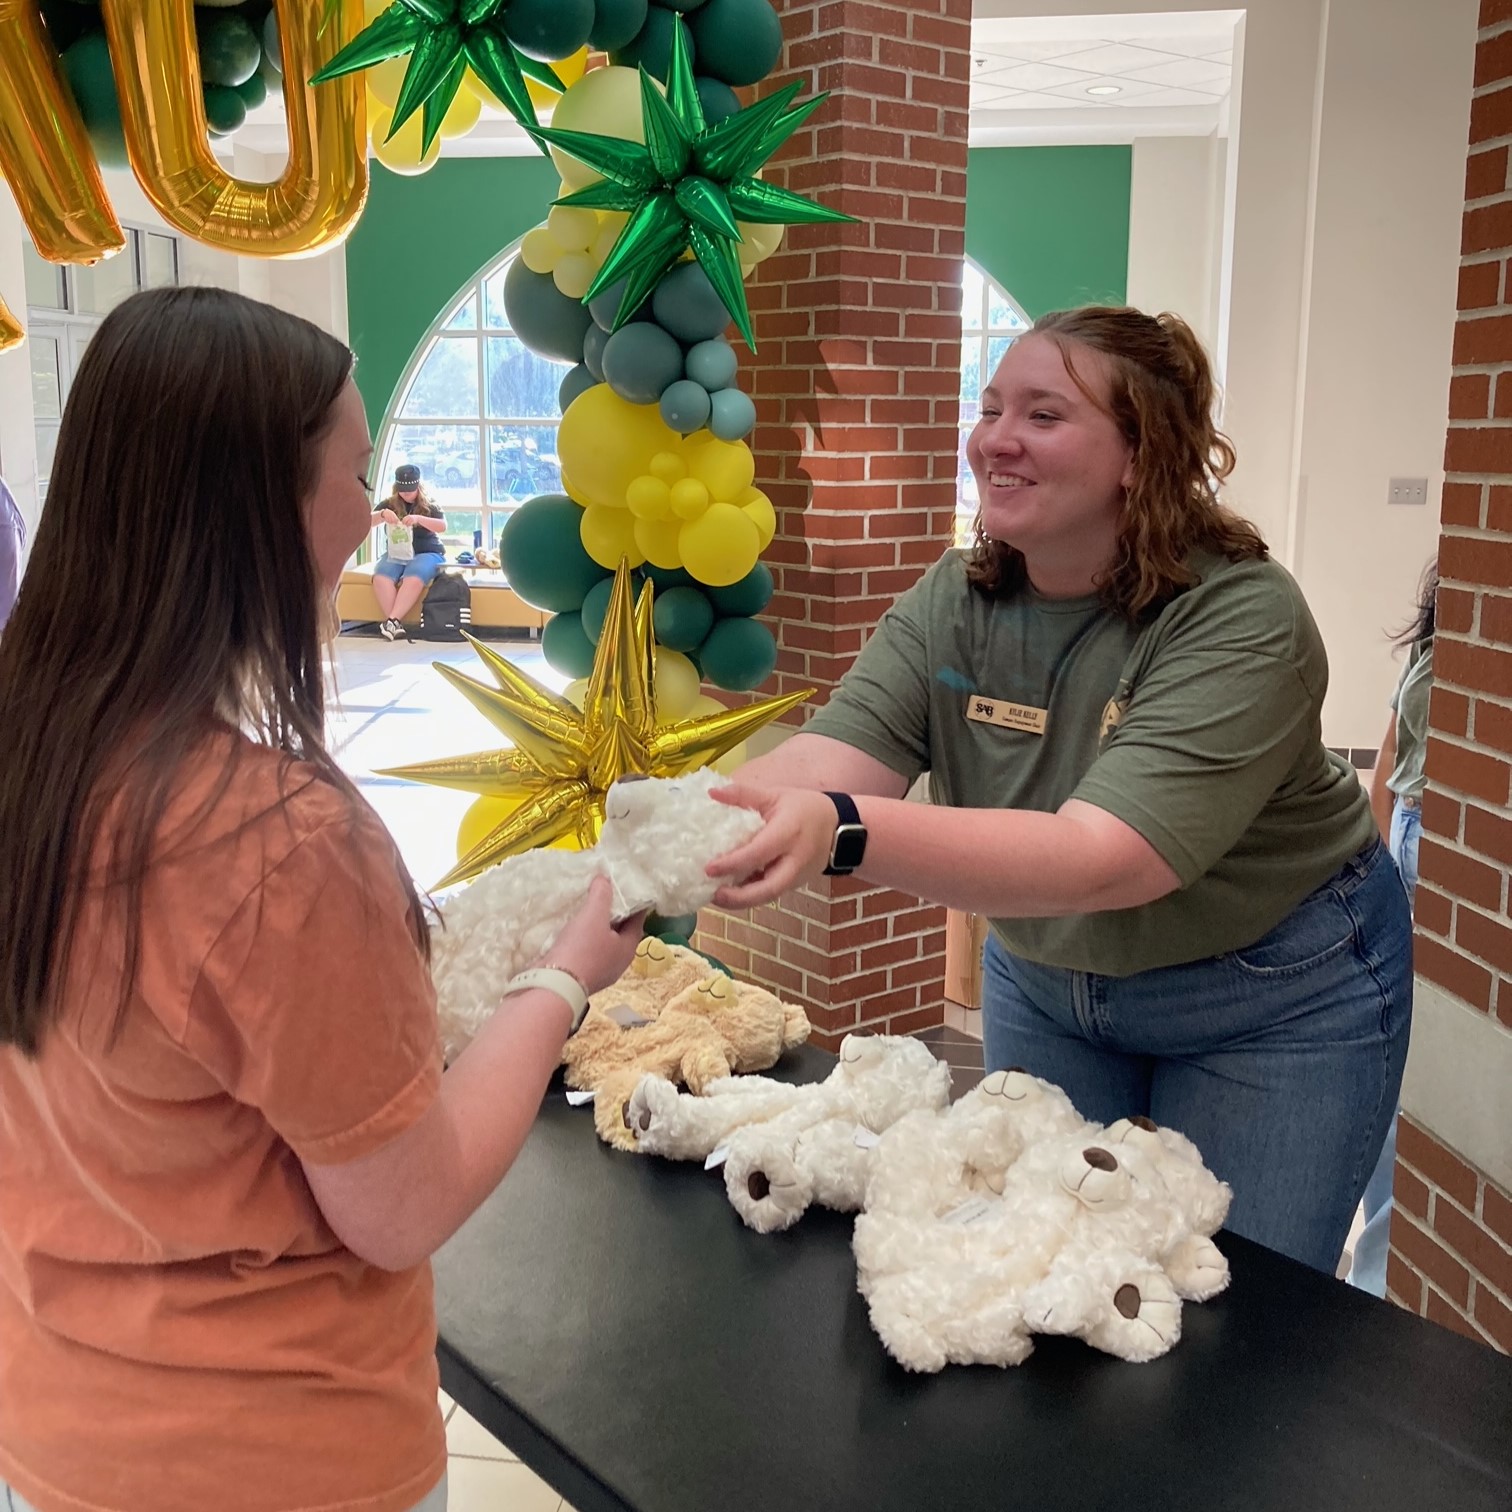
690 183
444 38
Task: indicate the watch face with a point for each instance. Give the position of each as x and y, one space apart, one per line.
849 847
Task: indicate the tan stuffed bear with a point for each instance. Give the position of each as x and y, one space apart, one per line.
671 1013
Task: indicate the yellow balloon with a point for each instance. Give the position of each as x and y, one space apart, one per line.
720 546
609 534
573 273
649 498
725 468
689 499
606 102
703 706
658 541
317 200
45 154
384 80
461 116
677 684
760 511
669 467
539 251
568 70
401 154
606 442
759 241
731 761
576 692
572 228
611 223
485 815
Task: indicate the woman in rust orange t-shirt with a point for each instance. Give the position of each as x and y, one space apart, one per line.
227 1149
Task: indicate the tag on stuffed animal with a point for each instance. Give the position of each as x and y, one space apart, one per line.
967 1212
625 1016
579 1099
865 1139
717 1157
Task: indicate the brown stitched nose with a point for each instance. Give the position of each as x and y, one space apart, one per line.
1147 1124
1127 1299
758 1186
1099 1160
645 1118
1020 1069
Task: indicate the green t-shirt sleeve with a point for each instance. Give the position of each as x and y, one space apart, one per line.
1210 733
882 704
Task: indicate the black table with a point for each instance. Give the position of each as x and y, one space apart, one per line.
613 1322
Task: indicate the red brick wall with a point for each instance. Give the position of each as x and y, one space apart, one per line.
857 387
1451 1237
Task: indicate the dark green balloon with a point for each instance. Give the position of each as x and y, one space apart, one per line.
652 47
749 596
682 617
595 607
686 303
739 654
566 646
640 361
719 101
229 50
595 339
663 578
578 381
272 46
544 318
225 110
716 963
616 23
67 21
676 939
541 553
737 41
86 66
548 29
663 925
254 92
680 5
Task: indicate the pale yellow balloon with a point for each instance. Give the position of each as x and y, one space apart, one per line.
703 706
606 102
609 534
611 223
720 546
403 154
573 273
484 815
576 691
461 116
539 250
725 468
728 764
677 684
762 514
658 542
568 70
384 81
689 499
759 242
649 498
572 228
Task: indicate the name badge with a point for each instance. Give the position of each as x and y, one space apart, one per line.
1007 715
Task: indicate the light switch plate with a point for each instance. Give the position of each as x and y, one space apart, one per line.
1407 491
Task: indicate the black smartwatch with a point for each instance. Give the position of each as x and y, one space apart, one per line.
849 844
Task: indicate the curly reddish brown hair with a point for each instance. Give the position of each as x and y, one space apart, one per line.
1162 398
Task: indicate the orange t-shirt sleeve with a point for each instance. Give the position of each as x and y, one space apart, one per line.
315 1007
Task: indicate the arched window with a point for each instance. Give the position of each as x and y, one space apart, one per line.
991 321
477 412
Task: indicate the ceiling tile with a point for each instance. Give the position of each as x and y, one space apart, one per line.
1128 89
1192 73
1039 76
1120 57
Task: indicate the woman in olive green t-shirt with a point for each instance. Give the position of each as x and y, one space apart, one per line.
1118 696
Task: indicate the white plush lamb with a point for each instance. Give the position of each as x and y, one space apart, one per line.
787 1147
659 834
1098 1233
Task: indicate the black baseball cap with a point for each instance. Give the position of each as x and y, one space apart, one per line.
407 475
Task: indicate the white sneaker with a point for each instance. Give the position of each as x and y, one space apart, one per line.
389 629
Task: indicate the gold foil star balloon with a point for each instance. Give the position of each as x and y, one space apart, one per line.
563 760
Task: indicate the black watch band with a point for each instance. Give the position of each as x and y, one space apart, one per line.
849 845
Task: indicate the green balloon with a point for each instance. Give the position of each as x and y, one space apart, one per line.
545 319
652 47
685 406
732 414
713 364
595 339
254 92
688 305
739 654
640 361
578 381
66 22
541 553
548 29
229 50
663 925
749 596
566 647
680 5
595 607
663 578
737 41
616 23
681 618
272 46
225 110
672 938
719 101
86 66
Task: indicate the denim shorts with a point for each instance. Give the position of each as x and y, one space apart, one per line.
423 565
1281 1061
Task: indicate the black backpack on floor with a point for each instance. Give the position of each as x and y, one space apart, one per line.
447 610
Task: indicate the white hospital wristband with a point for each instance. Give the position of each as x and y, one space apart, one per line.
549 979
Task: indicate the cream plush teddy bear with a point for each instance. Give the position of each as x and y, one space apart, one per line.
1010 1216
659 834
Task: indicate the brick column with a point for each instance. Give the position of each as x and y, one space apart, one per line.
1451 1237
857 386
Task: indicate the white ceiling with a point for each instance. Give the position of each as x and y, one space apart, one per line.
1030 78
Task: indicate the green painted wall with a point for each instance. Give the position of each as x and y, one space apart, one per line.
1051 224
420 240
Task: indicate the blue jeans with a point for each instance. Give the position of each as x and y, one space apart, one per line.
1368 1268
423 565
1281 1061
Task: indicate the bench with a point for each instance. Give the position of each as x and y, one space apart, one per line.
495 605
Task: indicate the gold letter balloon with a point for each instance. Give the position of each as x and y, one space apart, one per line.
321 194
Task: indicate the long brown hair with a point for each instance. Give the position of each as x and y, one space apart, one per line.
1162 399
422 498
142 631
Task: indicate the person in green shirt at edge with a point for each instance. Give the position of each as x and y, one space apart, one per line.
1118 696
1396 798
